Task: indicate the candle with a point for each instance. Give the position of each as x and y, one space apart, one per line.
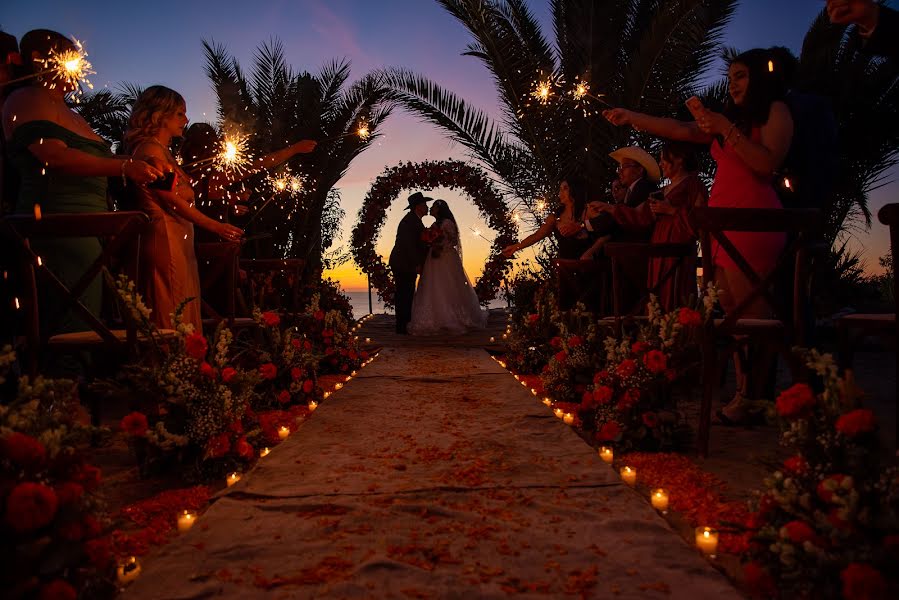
558 412
264 452
606 454
128 571
353 374
629 475
505 336
568 419
492 339
707 540
547 402
326 395
186 520
283 432
659 499
313 405
533 391
338 386
517 378
368 340
233 478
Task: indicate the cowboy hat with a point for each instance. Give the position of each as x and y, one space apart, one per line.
417 198
642 158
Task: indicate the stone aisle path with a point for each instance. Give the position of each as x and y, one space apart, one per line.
431 475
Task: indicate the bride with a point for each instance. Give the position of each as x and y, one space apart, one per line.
445 301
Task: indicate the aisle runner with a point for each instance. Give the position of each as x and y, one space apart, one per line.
432 474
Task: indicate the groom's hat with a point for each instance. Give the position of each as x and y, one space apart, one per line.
417 198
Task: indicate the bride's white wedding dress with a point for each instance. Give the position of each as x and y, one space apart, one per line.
445 302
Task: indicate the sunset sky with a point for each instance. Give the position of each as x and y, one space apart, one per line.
160 42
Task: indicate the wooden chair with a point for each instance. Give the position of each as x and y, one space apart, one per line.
785 328
876 324
619 252
266 298
218 266
119 231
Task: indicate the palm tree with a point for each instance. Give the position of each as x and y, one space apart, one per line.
645 54
278 106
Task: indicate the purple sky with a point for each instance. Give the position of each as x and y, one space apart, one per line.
159 42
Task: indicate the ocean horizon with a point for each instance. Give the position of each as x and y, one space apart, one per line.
359 302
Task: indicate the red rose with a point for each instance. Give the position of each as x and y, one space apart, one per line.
135 424
57 589
655 361
556 342
217 446
68 493
575 341
327 333
758 580
271 319
651 420
863 582
88 476
532 319
268 371
639 347
828 486
626 368
236 427
795 465
608 432
207 370
689 317
295 343
195 345
602 394
798 532
561 356
628 400
284 397
308 386
600 376
23 450
30 506
855 422
587 401
296 373
99 552
228 374
243 449
318 315
796 401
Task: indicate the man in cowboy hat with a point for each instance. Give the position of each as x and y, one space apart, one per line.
407 257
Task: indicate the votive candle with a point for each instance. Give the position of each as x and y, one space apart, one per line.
128 571
568 419
547 402
313 405
558 412
659 499
606 454
264 452
186 520
283 432
233 478
629 475
707 540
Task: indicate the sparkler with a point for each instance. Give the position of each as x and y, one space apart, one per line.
477 233
543 91
69 68
362 131
233 156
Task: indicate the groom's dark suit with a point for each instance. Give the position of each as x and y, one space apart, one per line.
406 259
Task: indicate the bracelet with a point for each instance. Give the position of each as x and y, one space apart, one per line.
729 131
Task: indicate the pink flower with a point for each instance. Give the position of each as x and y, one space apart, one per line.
217 446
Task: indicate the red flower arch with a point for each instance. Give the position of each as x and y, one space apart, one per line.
428 175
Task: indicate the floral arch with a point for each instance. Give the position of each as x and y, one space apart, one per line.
423 176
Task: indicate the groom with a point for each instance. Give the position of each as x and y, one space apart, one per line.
407 257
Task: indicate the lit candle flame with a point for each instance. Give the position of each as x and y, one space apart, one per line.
770 66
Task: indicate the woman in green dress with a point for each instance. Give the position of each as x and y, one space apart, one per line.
63 168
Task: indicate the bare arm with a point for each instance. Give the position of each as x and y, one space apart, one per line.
765 156
532 239
219 180
177 203
672 129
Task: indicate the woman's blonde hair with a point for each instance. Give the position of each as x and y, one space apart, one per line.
152 106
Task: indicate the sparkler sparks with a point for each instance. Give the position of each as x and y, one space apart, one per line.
543 91
69 68
233 155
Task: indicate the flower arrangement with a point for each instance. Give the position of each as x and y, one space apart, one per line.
630 401
329 333
52 537
827 524
433 237
192 400
426 176
526 335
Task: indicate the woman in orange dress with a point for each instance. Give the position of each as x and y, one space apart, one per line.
169 273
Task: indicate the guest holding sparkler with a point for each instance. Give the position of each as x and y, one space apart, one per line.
666 213
63 165
566 223
750 141
213 185
168 262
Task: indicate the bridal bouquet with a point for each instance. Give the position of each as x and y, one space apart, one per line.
433 237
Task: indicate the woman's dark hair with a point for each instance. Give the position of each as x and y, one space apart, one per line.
577 189
44 42
443 211
200 143
765 86
685 152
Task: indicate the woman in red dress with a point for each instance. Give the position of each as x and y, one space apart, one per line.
750 140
